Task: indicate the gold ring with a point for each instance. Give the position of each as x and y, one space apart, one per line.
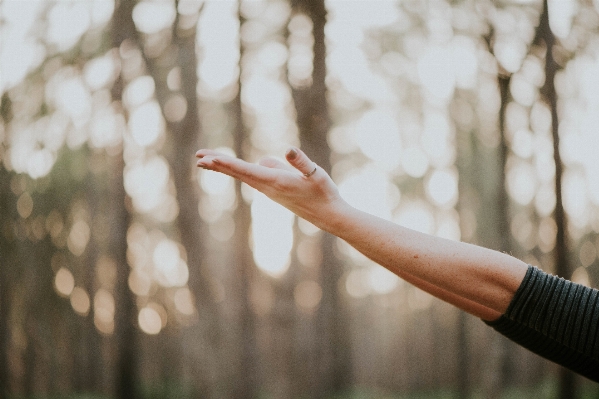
311 173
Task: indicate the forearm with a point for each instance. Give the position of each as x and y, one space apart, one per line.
471 307
462 272
468 276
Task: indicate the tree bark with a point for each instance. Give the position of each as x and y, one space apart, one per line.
125 306
569 387
7 201
127 384
483 191
334 368
246 384
183 141
463 380
501 345
5 293
93 342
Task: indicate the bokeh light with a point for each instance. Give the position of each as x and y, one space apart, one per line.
436 72
377 136
307 295
20 51
272 233
147 182
414 161
561 13
138 91
381 280
78 237
521 182
300 42
80 301
149 320
153 16
184 301
403 94
368 190
25 205
218 36
171 270
146 123
140 282
442 188
417 216
64 282
581 276
104 308
74 99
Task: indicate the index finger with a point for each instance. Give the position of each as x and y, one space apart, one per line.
253 174
204 152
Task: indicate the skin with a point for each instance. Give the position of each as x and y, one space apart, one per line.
477 280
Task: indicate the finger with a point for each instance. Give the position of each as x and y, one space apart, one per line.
299 160
206 152
239 169
271 162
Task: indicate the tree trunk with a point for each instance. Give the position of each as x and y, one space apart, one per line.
93 341
246 385
183 140
501 345
127 384
125 307
497 225
334 358
463 380
36 324
496 235
466 156
569 386
7 201
482 191
5 293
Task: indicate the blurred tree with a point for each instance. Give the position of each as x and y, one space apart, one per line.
333 366
494 230
246 383
184 134
127 383
7 203
26 279
569 386
92 361
46 347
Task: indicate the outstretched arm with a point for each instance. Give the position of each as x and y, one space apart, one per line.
475 279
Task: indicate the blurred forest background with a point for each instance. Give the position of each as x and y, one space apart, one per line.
125 272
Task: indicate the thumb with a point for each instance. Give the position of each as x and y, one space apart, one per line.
299 160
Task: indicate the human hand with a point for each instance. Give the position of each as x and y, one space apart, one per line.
301 186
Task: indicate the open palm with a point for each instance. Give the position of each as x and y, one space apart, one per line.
301 186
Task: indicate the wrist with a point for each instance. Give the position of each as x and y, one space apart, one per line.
335 218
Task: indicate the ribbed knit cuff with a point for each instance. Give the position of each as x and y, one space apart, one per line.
556 319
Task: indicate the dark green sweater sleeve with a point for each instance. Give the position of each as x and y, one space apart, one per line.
556 319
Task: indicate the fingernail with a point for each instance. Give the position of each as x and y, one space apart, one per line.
216 161
291 153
